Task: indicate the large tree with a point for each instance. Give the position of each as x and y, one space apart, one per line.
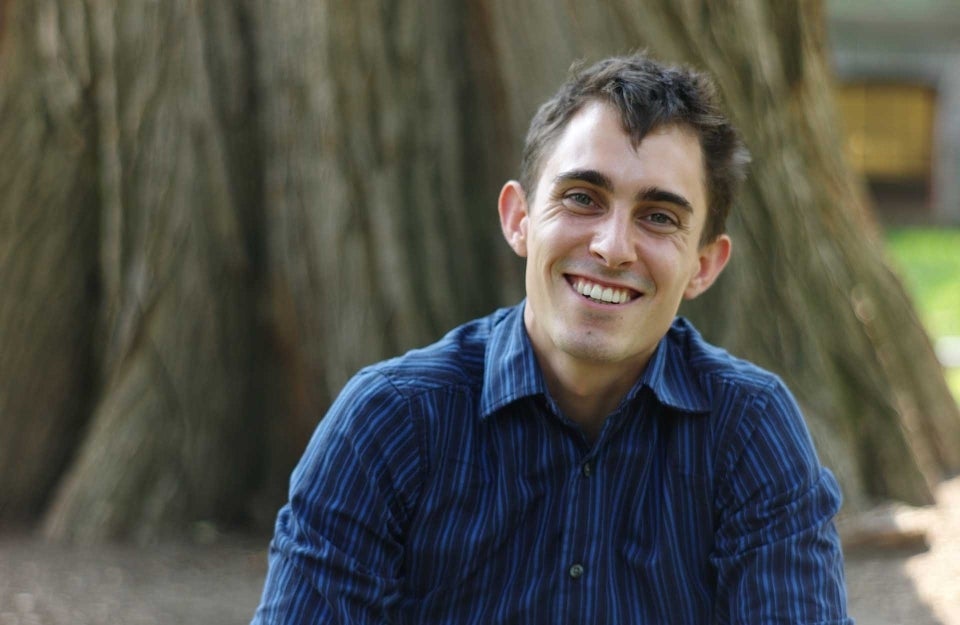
212 213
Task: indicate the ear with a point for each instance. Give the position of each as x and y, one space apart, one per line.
512 206
713 258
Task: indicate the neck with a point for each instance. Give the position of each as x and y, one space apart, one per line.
588 393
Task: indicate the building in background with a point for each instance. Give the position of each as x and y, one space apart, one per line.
898 67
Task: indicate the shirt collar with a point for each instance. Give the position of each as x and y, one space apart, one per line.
670 373
512 371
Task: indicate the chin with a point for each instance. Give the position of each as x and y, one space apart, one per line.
589 348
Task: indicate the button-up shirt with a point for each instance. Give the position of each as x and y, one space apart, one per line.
445 486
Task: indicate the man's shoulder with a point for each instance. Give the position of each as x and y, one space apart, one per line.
456 360
715 366
741 397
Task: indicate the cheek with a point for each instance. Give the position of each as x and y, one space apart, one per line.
541 246
671 270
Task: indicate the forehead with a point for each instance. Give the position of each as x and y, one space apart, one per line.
594 139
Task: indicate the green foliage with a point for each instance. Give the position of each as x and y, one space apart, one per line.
928 260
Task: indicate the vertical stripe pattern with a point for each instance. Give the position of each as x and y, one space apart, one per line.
444 486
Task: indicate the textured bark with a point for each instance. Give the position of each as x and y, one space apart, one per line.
380 187
48 224
169 440
212 213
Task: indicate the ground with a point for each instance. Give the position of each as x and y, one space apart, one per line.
890 587
217 581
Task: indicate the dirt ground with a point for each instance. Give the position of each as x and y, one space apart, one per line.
890 587
219 582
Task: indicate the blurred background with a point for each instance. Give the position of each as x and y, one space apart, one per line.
213 213
898 94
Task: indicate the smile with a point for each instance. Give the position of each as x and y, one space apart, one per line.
602 293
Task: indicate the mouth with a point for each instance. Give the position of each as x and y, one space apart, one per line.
602 293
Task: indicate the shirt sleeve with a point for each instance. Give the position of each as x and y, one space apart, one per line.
777 553
337 551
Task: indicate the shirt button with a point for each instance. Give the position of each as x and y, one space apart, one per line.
576 571
586 469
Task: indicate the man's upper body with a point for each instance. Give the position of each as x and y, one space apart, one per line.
584 456
446 486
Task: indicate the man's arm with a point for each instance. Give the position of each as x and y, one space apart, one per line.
777 552
337 550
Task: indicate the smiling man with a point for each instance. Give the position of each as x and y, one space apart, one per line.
584 456
611 232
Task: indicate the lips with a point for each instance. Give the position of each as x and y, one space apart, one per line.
601 292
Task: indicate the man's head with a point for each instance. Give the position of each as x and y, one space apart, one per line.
628 176
646 95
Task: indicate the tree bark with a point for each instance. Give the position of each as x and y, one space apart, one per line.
380 188
169 440
211 214
48 225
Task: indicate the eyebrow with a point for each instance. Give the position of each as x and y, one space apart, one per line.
646 194
592 176
656 194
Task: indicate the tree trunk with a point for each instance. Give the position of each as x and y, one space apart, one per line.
380 188
169 440
211 214
48 224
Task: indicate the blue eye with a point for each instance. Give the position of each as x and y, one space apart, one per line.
662 221
580 202
662 218
580 198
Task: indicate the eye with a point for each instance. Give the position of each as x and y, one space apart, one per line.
663 221
580 202
579 198
661 218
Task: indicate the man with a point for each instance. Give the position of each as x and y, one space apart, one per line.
585 456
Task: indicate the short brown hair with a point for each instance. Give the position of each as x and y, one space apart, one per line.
647 94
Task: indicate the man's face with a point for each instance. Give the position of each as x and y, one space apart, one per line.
611 240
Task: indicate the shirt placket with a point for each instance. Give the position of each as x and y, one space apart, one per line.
578 564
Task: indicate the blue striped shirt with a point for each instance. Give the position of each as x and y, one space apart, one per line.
445 486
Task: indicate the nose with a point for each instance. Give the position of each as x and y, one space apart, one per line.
612 241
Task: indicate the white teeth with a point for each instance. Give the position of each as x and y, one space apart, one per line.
595 291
